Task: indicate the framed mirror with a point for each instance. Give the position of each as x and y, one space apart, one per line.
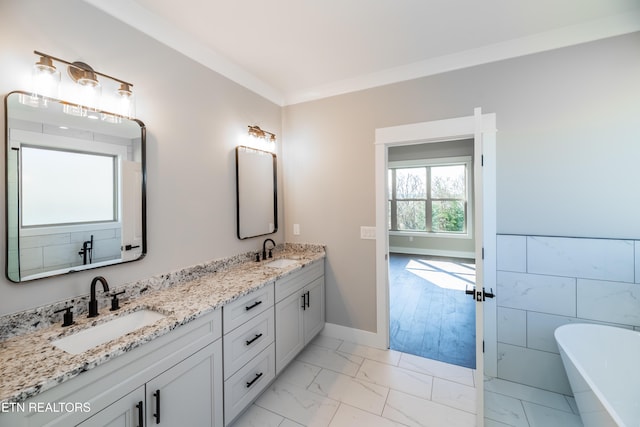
75 188
256 192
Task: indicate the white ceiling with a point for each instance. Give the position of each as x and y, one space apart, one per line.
292 51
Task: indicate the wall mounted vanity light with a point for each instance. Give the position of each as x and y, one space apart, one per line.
85 95
256 132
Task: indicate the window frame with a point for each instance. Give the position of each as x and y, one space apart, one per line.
467 161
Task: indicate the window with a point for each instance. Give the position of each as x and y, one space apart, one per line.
66 187
429 197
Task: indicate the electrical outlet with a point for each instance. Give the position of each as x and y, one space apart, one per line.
367 232
296 229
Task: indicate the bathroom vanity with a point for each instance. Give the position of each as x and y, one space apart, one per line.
223 337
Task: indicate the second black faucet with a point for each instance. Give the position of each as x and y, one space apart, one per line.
93 303
264 248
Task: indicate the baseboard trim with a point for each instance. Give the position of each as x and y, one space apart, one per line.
432 252
354 335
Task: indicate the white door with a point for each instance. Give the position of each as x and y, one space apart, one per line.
131 208
482 129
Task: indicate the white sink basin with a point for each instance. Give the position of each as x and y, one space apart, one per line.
282 263
105 332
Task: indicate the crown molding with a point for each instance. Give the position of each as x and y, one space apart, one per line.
131 13
612 26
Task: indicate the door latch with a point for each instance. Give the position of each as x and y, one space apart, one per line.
479 295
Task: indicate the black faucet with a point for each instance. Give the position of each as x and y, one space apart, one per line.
93 303
87 251
264 248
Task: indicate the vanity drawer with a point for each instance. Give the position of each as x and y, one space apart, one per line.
295 281
246 384
244 308
246 341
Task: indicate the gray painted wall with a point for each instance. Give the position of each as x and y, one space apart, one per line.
567 153
194 118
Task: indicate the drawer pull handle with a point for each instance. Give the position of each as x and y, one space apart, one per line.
250 383
157 414
308 298
249 342
304 299
254 305
140 414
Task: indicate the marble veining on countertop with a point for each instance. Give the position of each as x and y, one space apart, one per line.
30 364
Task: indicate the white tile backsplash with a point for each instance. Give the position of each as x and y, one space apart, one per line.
512 326
535 368
603 259
31 258
609 301
44 240
546 282
512 253
547 294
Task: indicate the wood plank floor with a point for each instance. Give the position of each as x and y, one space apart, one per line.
430 315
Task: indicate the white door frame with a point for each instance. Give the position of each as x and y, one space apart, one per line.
481 127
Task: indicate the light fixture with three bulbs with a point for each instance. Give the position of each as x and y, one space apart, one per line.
84 96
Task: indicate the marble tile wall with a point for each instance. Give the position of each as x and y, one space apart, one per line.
545 282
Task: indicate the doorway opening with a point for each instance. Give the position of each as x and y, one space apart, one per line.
432 250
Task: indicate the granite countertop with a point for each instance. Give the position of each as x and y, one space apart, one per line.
30 364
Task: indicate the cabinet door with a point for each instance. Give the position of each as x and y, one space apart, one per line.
125 412
314 310
289 329
190 393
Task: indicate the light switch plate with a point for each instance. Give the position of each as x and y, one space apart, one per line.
367 232
296 229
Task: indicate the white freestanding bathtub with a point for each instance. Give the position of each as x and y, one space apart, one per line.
603 366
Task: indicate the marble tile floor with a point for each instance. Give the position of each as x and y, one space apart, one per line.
338 383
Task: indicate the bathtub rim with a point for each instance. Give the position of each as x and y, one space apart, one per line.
579 367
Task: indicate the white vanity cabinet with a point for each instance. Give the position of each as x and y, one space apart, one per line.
189 393
184 364
125 412
299 311
249 353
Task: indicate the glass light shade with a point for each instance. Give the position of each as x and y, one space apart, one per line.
90 93
45 81
126 102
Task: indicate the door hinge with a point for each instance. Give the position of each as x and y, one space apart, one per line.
482 253
483 346
482 160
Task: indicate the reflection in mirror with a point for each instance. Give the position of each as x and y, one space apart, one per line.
75 189
256 187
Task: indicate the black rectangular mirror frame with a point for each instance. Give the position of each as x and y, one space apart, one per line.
143 160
